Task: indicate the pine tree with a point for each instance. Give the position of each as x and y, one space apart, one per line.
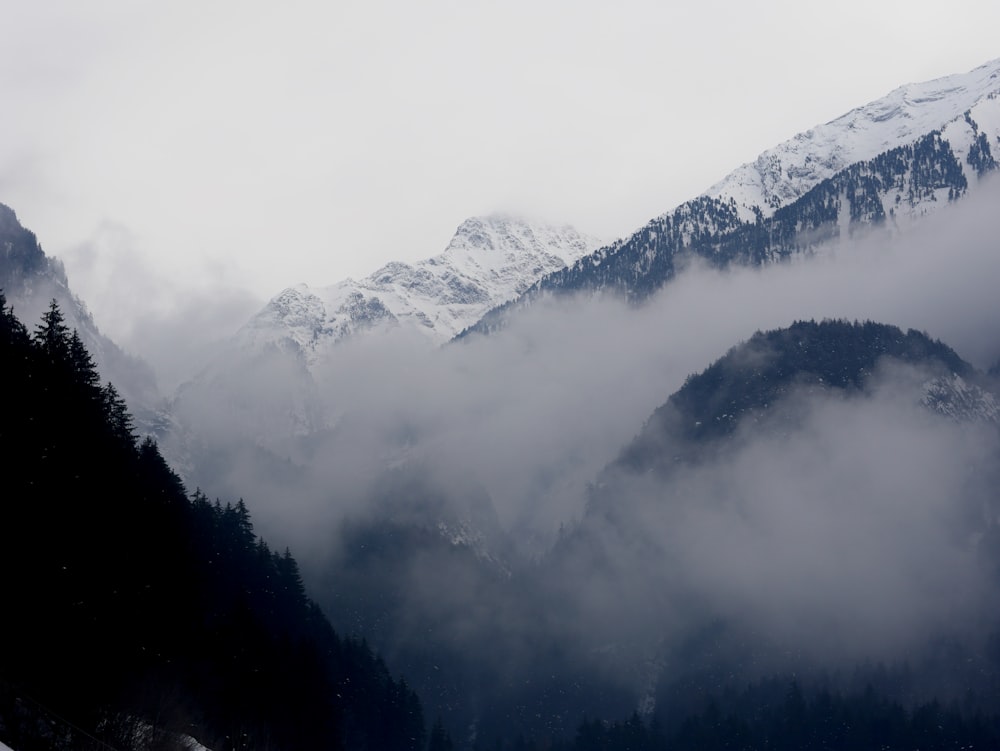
139 592
118 417
12 331
52 335
83 365
291 579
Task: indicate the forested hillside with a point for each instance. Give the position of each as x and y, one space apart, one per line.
135 614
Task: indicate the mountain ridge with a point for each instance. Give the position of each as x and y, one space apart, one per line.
488 261
784 173
819 356
920 148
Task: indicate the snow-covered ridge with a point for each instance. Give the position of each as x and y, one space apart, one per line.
892 161
954 397
782 174
489 260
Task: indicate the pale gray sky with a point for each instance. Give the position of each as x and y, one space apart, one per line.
172 149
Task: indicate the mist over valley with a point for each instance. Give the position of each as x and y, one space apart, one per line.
724 475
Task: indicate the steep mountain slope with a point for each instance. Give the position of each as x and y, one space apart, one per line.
787 172
759 503
133 612
30 280
895 159
490 260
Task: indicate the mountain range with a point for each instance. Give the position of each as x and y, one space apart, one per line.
489 261
903 156
877 169
509 468
876 172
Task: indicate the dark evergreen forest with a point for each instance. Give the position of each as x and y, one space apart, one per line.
134 612
779 715
755 375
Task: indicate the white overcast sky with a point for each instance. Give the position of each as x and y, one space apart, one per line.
250 145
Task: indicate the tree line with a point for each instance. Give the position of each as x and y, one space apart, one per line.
136 613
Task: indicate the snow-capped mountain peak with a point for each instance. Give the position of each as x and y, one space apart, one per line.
489 260
782 174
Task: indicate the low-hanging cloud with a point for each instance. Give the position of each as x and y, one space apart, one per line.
852 538
175 328
532 413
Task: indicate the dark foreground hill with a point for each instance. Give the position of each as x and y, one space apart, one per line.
134 614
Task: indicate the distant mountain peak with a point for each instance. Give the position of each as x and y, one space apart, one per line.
489 260
504 232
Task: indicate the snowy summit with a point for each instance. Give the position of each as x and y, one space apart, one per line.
490 260
783 174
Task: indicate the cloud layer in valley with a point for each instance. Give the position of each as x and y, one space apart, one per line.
533 412
853 538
